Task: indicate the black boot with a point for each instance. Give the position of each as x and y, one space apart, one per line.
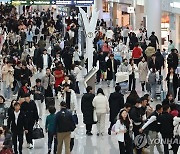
109 131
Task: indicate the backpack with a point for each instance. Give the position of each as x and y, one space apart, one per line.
36 31
152 78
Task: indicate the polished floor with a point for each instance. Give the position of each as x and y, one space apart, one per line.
83 144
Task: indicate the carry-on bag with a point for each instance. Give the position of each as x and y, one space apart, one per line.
37 132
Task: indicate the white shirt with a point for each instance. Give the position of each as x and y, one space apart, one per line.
151 120
45 60
171 78
16 116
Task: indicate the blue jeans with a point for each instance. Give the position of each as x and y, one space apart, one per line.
6 90
50 140
17 87
153 91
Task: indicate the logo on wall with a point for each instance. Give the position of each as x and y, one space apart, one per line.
90 34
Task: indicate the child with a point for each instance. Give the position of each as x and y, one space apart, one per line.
49 126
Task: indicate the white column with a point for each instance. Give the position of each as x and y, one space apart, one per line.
153 10
172 27
133 15
98 4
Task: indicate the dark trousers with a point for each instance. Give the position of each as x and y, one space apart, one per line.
111 125
77 91
17 136
136 61
35 39
166 146
128 143
142 85
56 90
132 80
98 75
121 147
50 140
71 144
136 132
125 40
88 127
48 93
29 134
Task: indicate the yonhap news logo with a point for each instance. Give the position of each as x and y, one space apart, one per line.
140 141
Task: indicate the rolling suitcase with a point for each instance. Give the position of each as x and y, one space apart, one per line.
49 101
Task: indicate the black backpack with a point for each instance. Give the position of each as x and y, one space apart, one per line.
36 31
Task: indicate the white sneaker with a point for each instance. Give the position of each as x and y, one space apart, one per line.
30 146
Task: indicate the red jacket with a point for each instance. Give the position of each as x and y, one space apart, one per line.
136 53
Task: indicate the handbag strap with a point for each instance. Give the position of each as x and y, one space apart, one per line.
37 125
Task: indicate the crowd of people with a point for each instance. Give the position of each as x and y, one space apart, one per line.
33 48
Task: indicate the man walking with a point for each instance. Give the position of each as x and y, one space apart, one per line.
116 103
31 113
17 123
154 128
64 125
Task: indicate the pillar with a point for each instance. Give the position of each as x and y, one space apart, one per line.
116 14
111 5
119 15
175 29
133 16
172 28
153 10
98 4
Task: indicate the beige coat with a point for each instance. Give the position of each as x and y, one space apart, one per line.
8 75
45 81
143 71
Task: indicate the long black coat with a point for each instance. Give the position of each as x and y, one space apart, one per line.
109 72
116 103
166 121
87 108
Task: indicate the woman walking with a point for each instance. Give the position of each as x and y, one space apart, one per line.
143 71
122 128
172 82
101 105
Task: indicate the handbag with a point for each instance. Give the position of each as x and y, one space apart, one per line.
75 118
6 151
37 132
95 116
